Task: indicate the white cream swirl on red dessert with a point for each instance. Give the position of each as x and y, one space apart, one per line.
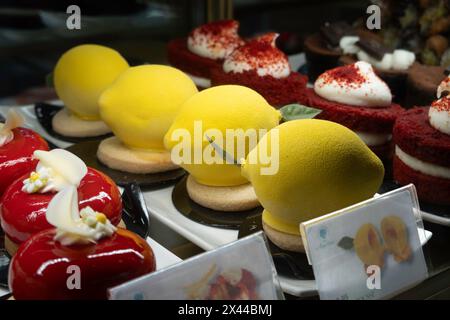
444 86
55 170
355 84
215 40
261 55
439 115
13 120
74 226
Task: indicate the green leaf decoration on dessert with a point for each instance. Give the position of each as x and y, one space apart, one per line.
346 243
49 80
298 111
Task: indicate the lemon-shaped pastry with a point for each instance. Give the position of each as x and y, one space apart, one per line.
323 167
220 110
139 107
80 76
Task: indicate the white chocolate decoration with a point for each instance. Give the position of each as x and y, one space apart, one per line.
13 120
74 226
55 170
355 84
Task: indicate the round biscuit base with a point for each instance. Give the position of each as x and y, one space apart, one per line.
228 199
114 154
71 126
284 240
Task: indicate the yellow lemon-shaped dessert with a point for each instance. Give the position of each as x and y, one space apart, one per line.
322 167
142 103
82 73
218 110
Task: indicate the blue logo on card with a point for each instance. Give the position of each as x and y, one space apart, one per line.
324 237
323 231
138 296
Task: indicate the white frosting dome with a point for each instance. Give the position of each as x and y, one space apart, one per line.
55 170
13 120
439 115
261 55
215 40
74 226
355 84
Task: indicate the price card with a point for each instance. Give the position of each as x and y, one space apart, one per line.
238 271
371 250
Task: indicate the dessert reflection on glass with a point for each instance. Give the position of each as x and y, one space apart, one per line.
204 49
24 204
354 96
80 76
422 148
80 258
260 65
234 118
139 107
17 145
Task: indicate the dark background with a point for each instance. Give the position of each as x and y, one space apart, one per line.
33 33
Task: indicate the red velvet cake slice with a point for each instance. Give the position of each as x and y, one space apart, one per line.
204 49
262 67
357 98
422 151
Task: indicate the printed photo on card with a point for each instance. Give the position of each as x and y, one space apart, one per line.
242 270
368 251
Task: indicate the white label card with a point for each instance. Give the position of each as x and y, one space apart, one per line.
371 250
241 270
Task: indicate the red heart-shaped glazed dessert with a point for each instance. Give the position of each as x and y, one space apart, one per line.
43 268
16 156
23 214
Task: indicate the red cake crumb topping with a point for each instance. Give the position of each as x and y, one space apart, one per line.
345 76
442 104
260 52
222 33
217 27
